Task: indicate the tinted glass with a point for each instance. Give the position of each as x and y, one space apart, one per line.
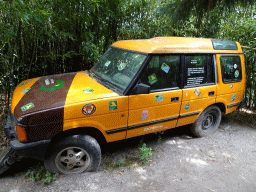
118 66
231 69
224 45
162 72
199 70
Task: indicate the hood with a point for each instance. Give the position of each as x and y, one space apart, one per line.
47 96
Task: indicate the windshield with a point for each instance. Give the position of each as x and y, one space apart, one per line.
118 66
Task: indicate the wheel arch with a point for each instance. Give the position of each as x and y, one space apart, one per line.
93 132
222 107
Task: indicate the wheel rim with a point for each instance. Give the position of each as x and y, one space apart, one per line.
209 121
72 160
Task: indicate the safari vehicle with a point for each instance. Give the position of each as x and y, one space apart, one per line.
137 87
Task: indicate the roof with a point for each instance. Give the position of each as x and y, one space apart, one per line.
174 45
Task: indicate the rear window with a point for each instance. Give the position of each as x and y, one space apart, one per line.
224 45
231 69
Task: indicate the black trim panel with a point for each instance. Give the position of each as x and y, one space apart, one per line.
116 130
189 114
151 123
233 105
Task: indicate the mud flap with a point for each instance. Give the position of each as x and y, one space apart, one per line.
7 158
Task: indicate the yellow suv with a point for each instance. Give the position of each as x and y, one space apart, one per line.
137 87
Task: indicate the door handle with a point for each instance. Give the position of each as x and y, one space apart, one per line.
175 99
211 93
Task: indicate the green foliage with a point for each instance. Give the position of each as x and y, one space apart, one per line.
241 26
40 175
145 153
124 162
43 37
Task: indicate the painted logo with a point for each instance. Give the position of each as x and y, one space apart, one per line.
89 109
52 86
27 106
25 90
197 92
112 105
88 90
233 98
199 61
165 68
158 98
152 79
121 66
236 73
187 106
144 114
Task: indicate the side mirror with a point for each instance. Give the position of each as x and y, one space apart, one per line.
141 88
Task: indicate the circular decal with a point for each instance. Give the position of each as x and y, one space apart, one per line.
233 98
231 86
121 66
89 109
144 114
236 73
187 106
55 86
235 66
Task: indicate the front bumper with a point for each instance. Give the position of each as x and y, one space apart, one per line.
35 150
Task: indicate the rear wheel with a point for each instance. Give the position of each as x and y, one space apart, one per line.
74 154
207 123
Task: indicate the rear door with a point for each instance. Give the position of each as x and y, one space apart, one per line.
199 86
158 110
231 80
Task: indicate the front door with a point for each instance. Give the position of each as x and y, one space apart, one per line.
158 110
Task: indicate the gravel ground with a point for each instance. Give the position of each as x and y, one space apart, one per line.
225 161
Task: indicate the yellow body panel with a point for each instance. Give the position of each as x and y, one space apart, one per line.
102 119
197 103
157 110
81 82
19 92
172 45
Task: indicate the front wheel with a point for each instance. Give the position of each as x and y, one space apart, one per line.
74 154
207 123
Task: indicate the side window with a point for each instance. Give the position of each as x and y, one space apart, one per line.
162 72
199 70
231 69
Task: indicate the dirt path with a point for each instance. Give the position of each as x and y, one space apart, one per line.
225 161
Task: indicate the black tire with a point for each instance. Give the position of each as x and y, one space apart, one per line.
4 166
207 123
74 154
7 158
